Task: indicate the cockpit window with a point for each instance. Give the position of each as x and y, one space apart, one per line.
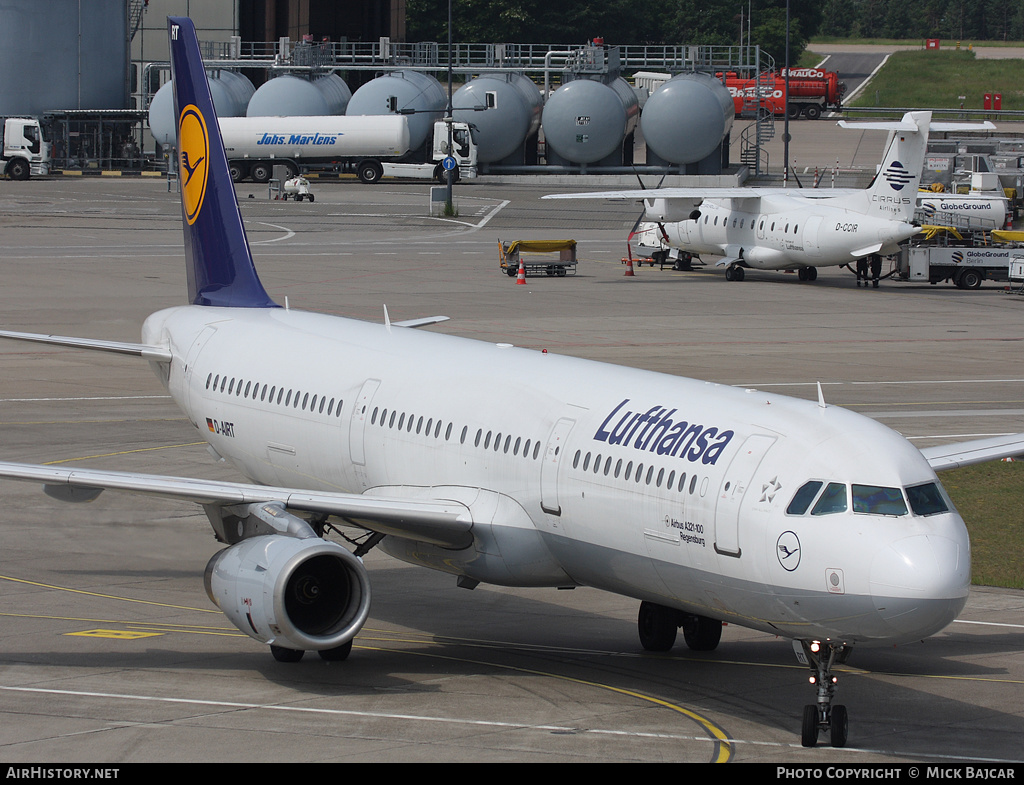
803 498
833 500
926 499
878 500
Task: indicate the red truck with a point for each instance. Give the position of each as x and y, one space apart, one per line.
811 91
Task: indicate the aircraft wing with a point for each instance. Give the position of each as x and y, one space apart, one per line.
158 353
441 522
422 322
698 194
952 456
689 194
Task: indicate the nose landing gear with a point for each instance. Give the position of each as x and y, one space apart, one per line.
823 716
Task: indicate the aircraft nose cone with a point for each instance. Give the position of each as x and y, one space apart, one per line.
920 583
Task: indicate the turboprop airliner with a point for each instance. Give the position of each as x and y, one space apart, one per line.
705 503
789 228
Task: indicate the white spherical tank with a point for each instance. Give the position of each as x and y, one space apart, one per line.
511 115
420 95
585 121
231 92
686 119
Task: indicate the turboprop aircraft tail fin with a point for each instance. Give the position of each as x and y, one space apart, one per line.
893 191
220 269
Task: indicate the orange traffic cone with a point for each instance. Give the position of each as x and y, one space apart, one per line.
521 275
629 265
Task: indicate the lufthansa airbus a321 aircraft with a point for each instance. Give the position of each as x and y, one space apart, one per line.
789 228
705 503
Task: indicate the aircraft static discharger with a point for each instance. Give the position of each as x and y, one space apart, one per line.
704 502
788 228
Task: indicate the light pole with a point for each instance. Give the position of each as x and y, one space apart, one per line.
785 131
449 119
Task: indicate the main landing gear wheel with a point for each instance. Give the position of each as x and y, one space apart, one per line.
702 633
807 274
658 626
823 716
282 654
684 262
337 654
734 273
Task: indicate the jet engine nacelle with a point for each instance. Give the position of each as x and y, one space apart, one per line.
305 594
672 210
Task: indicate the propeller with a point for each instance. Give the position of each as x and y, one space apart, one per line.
640 218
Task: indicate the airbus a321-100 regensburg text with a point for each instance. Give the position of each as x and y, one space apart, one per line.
787 228
705 503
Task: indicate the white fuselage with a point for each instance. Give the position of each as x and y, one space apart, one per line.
785 232
578 473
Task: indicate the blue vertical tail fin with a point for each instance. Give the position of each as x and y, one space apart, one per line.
219 263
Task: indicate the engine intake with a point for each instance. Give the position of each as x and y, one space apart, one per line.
307 594
664 210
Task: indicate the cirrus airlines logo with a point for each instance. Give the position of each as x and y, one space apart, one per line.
897 175
194 140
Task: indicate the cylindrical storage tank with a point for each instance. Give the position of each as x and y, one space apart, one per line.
335 92
403 91
287 96
586 121
686 119
231 93
60 55
233 89
512 115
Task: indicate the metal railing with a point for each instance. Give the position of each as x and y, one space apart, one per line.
474 57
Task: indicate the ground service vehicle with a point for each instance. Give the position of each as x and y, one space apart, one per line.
25 152
363 144
811 91
537 257
962 259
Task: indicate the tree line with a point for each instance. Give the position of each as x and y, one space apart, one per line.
674 22
950 20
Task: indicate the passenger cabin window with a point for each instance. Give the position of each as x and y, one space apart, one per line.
878 500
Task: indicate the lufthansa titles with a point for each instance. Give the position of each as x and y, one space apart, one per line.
659 431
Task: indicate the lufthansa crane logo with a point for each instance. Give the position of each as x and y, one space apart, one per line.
194 157
897 175
787 549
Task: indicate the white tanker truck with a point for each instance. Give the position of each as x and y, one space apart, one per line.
371 146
